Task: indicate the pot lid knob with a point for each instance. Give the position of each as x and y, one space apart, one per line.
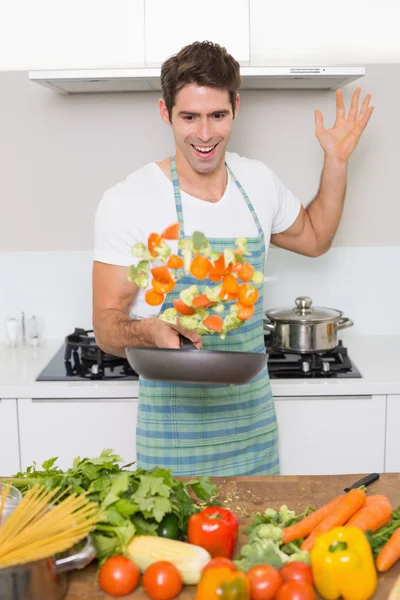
303 303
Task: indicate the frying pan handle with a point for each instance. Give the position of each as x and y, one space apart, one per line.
186 344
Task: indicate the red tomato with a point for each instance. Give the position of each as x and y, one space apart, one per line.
297 571
296 590
220 561
118 576
162 581
265 581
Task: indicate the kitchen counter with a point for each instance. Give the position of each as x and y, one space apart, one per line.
248 495
376 357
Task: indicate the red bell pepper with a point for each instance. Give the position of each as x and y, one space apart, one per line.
216 529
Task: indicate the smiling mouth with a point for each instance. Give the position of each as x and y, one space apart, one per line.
204 149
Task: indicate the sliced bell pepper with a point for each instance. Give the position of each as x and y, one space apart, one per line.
154 242
343 565
221 583
248 294
171 232
216 529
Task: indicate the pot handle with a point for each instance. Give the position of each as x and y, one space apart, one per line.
268 325
344 323
78 560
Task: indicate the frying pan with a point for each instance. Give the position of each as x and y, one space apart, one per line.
190 365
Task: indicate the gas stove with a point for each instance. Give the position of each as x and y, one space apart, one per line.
80 358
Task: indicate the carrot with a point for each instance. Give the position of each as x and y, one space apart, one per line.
153 298
374 498
244 312
351 503
372 516
390 553
162 274
246 272
175 262
200 267
230 284
201 301
213 322
171 232
153 242
304 527
182 308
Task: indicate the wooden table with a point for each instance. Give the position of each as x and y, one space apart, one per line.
248 495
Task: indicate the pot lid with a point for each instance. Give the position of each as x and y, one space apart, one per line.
303 312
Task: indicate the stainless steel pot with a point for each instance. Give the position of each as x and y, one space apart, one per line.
45 579
304 328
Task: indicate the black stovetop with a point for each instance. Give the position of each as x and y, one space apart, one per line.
80 359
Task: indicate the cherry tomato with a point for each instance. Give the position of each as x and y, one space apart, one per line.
297 571
118 576
296 590
162 581
265 581
220 561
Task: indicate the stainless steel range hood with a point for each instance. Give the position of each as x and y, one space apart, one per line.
146 80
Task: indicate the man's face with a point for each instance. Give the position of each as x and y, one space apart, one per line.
201 124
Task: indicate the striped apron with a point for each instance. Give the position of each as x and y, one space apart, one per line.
217 430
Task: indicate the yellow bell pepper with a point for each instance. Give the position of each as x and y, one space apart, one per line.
343 565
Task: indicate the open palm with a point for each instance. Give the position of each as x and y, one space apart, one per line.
340 141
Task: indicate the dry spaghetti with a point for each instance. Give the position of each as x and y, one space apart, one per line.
42 525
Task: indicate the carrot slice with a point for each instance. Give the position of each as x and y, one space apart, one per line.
175 262
162 287
350 504
162 274
304 527
182 308
153 298
244 312
246 272
201 301
171 232
214 322
248 294
372 516
200 267
390 553
230 284
153 242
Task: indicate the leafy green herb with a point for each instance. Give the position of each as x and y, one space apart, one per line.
378 539
134 501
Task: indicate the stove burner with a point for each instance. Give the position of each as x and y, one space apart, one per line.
332 363
83 358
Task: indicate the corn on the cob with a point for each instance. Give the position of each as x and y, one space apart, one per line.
187 558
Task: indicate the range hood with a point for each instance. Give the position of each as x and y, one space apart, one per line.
146 80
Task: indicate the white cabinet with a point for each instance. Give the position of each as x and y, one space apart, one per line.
83 427
71 34
171 25
392 458
331 435
9 449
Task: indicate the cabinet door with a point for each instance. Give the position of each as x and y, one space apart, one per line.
68 428
392 458
331 435
9 448
171 25
48 34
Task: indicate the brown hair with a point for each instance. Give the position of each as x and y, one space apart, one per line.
202 63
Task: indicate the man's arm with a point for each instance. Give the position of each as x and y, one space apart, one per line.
313 231
315 228
114 330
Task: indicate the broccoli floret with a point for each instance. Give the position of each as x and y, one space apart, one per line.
203 330
258 278
219 308
302 556
271 513
163 250
139 250
139 274
285 514
169 316
187 251
264 551
187 295
213 256
229 257
241 244
213 293
230 323
189 322
267 531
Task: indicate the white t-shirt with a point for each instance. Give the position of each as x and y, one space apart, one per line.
144 203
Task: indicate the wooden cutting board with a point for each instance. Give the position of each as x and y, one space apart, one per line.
248 495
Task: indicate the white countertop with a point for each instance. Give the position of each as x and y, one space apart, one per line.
376 357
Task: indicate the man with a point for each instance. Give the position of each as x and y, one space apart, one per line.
194 429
